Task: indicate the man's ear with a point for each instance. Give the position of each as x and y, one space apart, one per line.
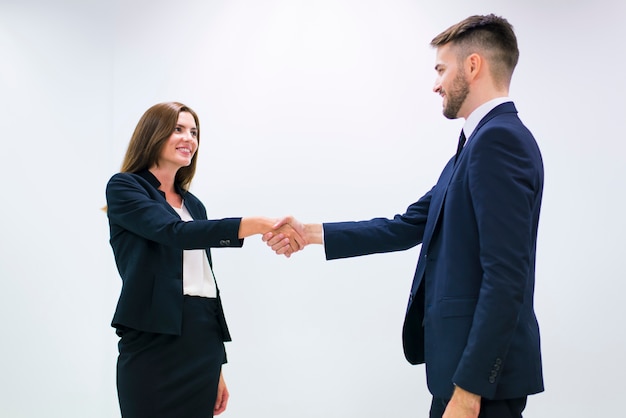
473 65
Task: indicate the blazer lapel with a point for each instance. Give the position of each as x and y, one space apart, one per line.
439 195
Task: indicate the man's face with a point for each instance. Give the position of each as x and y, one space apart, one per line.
451 83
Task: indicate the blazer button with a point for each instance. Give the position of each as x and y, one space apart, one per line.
224 242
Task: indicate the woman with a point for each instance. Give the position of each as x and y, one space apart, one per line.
169 315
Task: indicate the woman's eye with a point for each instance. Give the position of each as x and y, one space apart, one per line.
178 129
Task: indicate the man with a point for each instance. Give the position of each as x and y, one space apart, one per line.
470 315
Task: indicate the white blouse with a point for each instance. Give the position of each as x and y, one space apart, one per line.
198 279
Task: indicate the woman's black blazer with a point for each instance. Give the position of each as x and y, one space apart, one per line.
148 238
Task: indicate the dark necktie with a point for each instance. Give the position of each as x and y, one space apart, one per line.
462 140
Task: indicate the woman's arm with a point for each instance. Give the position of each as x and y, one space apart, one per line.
222 396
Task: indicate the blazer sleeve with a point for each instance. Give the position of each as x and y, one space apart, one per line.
378 235
131 206
505 178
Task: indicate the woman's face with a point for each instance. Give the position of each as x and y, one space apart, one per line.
182 144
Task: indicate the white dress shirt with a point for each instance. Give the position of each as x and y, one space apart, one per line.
198 279
480 112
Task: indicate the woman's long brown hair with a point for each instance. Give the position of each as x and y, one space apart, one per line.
152 131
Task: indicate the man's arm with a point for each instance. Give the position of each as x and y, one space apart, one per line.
350 239
505 183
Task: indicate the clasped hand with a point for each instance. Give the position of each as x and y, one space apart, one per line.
287 237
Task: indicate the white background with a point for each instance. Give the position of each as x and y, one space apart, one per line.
322 109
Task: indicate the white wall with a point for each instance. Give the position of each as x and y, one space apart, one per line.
322 109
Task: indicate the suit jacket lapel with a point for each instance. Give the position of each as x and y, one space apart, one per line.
439 195
434 211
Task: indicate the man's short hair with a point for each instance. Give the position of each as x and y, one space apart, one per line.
489 35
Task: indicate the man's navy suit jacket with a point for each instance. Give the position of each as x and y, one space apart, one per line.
148 238
470 315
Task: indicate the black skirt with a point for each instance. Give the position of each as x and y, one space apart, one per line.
160 375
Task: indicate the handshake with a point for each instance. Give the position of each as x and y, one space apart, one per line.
290 235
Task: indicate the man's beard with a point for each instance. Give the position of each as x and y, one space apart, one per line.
456 96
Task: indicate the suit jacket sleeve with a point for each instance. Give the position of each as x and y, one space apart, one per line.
135 207
505 180
378 235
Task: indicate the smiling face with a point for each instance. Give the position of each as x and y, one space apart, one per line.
451 83
182 144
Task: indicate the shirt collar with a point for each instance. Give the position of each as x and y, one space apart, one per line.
480 112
